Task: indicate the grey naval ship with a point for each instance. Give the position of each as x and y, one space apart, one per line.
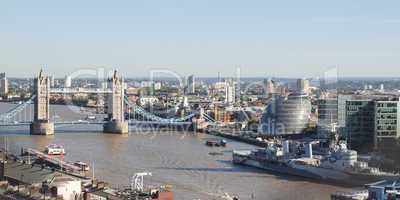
338 165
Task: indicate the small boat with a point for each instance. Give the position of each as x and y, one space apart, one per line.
91 117
82 165
215 153
54 149
229 197
216 143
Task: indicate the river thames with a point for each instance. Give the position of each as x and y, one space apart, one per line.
174 158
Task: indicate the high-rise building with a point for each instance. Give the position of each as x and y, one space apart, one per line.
387 124
52 81
68 82
269 86
327 115
303 85
3 84
229 94
191 84
382 88
342 98
360 126
157 85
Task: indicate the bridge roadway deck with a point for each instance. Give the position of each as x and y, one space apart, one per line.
100 123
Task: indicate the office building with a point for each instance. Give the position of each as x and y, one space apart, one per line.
3 84
286 115
382 88
269 86
303 85
360 124
68 82
387 124
327 115
52 82
342 98
191 84
229 94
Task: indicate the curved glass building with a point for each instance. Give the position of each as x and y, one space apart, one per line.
286 115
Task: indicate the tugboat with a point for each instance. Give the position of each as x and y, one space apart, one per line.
216 143
54 149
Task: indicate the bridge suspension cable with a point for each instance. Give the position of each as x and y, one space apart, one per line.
17 109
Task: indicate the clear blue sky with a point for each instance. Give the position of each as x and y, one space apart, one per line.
264 38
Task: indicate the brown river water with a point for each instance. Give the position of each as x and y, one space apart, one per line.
175 158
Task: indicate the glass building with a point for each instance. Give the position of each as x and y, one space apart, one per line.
286 115
327 115
387 124
360 126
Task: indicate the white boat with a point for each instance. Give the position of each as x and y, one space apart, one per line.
82 165
54 149
91 117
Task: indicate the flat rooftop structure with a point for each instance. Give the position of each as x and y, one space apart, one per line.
19 172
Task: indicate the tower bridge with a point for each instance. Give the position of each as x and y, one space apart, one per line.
41 124
117 103
116 112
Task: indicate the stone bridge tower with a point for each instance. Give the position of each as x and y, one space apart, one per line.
115 108
41 124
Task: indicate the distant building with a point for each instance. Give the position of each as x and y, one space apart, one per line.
146 84
369 121
157 86
52 81
3 84
219 86
229 93
221 114
191 84
387 124
382 88
68 82
269 86
327 115
303 85
286 115
148 100
281 90
360 124
342 98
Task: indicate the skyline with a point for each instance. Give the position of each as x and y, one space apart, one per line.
262 38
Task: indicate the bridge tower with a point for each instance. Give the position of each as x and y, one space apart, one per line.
115 110
41 124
